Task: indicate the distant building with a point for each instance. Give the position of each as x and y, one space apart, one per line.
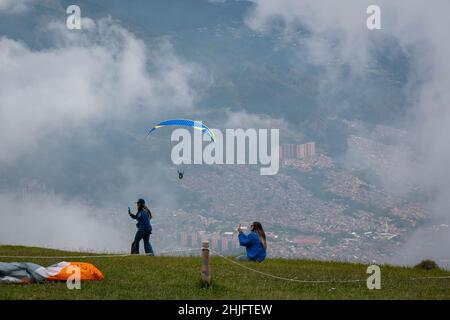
189 240
215 243
235 242
184 239
195 240
310 150
287 151
307 241
223 243
297 151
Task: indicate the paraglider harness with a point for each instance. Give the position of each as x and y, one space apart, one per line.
180 174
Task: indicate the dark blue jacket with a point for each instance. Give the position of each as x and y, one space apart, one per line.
143 220
255 247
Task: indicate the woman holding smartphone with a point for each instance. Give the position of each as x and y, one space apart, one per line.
144 231
254 242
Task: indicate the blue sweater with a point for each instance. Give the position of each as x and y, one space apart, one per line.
143 220
255 247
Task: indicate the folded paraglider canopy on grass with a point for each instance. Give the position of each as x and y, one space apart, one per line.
27 272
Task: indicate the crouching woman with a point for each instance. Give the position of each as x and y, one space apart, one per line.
255 243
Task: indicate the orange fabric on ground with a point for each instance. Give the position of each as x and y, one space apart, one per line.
87 272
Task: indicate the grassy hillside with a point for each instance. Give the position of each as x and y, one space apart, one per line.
179 278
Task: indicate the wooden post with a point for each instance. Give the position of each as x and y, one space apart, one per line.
206 269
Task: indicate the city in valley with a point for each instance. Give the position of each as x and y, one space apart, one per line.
313 208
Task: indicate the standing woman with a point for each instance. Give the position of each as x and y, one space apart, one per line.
144 231
255 243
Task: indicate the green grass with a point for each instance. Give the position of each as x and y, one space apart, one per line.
143 277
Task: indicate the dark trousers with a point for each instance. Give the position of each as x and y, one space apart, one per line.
143 235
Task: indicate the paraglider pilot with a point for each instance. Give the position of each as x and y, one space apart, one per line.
144 231
180 174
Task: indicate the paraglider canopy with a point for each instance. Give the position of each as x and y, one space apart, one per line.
198 125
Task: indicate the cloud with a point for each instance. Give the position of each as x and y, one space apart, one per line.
15 6
60 108
328 22
53 221
245 120
336 39
86 77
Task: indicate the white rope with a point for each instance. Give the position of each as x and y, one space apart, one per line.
426 278
283 278
94 256
312 281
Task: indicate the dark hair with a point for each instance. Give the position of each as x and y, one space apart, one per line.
257 227
150 215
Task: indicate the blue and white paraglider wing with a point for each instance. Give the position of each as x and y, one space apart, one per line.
197 125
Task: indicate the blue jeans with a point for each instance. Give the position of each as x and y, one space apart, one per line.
143 235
